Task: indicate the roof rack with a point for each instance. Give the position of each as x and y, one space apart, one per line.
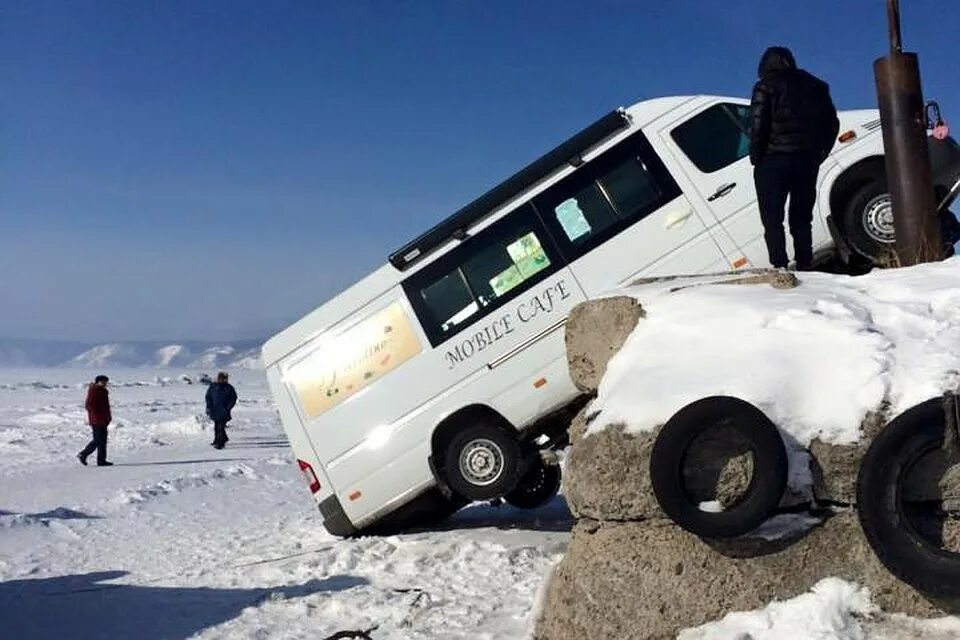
456 226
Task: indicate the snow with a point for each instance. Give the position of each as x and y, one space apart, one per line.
171 355
711 506
248 360
816 359
106 354
226 544
179 540
214 357
832 610
141 354
829 610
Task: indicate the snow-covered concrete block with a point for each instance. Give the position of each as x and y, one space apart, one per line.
651 579
595 331
829 359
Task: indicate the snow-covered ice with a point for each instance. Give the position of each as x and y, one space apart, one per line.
181 540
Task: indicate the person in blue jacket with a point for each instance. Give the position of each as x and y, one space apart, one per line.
221 398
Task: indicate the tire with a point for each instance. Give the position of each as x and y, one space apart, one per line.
537 486
767 483
888 528
868 222
483 462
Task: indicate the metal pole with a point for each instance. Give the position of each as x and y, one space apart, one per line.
893 25
906 155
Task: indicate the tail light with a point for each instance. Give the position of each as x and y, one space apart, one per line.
311 477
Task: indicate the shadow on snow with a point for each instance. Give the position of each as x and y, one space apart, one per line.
175 462
553 516
59 513
82 607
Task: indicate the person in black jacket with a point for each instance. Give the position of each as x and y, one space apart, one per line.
221 398
793 128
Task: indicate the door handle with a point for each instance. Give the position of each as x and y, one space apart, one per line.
722 191
677 218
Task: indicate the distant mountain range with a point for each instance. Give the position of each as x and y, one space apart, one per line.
182 355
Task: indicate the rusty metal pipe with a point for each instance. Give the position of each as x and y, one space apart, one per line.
907 159
893 21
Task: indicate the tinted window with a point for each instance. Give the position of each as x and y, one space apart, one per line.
630 187
715 138
483 273
606 196
449 299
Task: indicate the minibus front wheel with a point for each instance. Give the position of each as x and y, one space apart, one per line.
484 461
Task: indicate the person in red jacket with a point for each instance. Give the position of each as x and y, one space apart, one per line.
98 416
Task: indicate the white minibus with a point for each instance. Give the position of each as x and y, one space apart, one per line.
441 377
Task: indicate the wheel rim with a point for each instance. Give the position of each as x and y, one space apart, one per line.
481 462
878 219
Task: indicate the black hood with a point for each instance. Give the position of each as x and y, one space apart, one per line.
776 59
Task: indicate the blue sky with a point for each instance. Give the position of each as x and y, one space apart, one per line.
215 169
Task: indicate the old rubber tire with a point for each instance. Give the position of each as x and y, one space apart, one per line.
868 222
767 483
537 486
483 461
891 534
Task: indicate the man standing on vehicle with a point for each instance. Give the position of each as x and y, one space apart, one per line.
793 128
98 417
221 398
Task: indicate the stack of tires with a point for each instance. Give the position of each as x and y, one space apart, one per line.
897 530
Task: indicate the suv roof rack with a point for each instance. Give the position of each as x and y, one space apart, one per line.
456 226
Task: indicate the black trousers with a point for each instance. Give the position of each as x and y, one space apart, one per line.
779 176
220 434
99 443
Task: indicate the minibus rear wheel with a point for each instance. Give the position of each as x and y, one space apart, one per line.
483 462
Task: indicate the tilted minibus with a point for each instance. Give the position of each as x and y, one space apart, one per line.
442 374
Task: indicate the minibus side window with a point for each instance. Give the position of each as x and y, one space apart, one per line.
480 275
610 193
